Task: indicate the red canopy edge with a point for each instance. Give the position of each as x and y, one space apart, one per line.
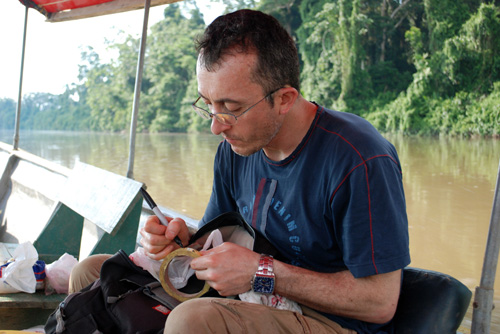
54 6
66 10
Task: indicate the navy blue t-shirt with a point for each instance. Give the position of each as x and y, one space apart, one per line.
336 203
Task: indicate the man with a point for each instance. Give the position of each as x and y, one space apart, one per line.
324 187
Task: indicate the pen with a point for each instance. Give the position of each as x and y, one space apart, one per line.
158 213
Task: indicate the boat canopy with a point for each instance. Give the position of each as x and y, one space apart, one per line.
66 10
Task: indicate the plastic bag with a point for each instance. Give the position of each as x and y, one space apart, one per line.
140 259
275 301
17 275
58 274
179 270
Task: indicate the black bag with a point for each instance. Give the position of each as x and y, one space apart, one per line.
128 299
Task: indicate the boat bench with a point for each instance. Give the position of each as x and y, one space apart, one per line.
95 211
98 212
430 303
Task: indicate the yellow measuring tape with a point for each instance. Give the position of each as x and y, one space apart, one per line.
165 281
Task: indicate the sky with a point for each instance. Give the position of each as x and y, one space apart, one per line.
53 49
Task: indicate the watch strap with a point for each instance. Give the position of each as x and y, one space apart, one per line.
266 266
264 279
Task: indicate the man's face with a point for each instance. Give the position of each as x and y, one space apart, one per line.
229 89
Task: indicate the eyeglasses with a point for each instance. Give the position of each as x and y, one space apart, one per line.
224 117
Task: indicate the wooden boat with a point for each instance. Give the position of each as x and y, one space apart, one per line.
13 160
429 300
35 194
39 204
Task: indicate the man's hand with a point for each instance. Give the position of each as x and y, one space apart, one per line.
228 268
158 240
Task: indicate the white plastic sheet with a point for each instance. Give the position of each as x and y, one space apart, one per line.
17 274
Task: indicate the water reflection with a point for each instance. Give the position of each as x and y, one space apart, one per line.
178 170
449 186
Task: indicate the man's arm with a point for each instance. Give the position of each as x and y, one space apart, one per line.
229 269
371 299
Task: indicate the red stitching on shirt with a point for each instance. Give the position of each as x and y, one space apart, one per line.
363 163
384 156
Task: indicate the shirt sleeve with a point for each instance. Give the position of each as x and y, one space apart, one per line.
370 212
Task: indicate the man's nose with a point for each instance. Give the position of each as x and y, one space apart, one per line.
217 127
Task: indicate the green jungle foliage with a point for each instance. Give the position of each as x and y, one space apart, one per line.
408 66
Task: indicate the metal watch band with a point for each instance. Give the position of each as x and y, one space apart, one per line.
264 273
265 265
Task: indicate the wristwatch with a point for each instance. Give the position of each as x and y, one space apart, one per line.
264 279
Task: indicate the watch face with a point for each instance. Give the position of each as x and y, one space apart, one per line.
263 284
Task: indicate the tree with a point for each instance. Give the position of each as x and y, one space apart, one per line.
110 88
233 5
7 113
472 57
411 66
285 11
454 87
170 69
444 19
338 28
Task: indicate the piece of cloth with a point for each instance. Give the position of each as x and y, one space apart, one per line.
336 203
216 315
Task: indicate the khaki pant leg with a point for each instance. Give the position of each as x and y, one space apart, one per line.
86 272
217 316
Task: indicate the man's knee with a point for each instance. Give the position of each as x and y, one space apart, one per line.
86 272
193 316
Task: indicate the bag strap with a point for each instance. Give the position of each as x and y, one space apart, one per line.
261 243
225 219
156 291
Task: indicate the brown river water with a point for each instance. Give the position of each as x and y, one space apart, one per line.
449 186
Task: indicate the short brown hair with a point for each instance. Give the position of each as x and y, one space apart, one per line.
249 30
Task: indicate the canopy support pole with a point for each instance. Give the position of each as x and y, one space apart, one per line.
15 146
137 91
483 299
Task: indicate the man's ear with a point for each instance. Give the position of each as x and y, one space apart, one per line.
288 96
